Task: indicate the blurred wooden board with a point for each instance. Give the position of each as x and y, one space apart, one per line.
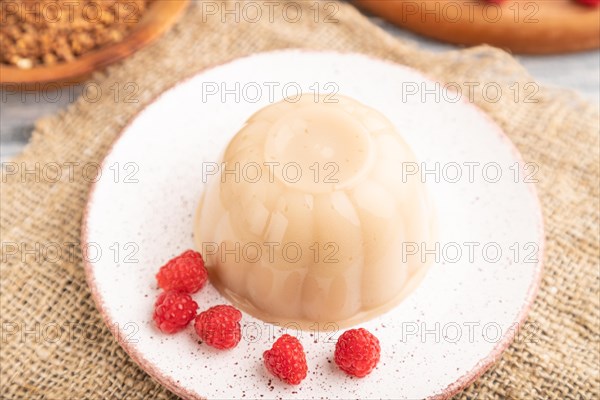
155 21
521 26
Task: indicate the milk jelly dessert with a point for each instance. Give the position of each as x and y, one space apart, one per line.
308 217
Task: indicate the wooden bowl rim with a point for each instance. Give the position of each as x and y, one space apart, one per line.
160 16
556 27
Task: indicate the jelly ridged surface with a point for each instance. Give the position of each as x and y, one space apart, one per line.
309 214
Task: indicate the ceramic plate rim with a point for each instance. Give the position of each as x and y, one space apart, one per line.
462 382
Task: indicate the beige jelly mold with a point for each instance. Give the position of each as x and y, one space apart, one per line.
309 216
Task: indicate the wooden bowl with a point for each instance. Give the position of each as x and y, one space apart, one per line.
159 16
521 26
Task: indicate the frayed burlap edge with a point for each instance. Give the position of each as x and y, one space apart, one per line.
559 132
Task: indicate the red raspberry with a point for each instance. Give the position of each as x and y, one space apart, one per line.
591 3
219 326
173 311
286 360
184 273
357 352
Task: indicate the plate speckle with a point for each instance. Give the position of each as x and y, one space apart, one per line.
445 334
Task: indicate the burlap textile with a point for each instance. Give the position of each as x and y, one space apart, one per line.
560 133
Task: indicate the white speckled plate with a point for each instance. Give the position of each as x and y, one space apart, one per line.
443 336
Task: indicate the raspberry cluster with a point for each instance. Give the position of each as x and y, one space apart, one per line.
357 351
174 309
